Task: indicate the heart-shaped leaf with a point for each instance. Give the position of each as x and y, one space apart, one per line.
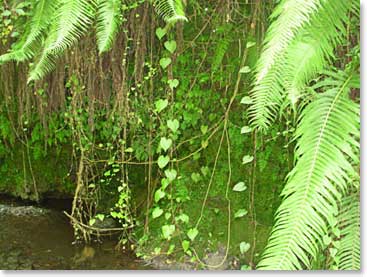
244 247
170 46
173 125
164 182
160 33
204 129
164 62
246 100
183 217
240 213
247 159
168 230
245 69
165 143
246 129
192 233
173 83
185 245
157 212
160 105
167 216
240 187
158 195
163 161
171 174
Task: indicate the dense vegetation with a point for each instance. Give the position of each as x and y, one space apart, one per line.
199 126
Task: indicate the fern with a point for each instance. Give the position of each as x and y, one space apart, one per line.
72 21
35 29
328 128
318 25
59 24
170 10
222 45
348 255
108 23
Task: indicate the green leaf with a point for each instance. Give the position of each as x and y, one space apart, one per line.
100 216
245 69
160 105
92 221
173 83
160 33
240 187
196 177
246 100
167 231
185 245
247 159
204 129
167 215
173 125
158 195
171 11
246 129
164 62
250 44
165 182
171 249
192 233
163 161
170 46
165 143
183 217
171 174
245 267
240 213
244 247
157 212
108 23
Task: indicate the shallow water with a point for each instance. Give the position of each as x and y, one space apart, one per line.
44 240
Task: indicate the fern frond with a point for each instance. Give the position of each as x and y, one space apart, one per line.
328 126
108 23
304 60
349 252
171 11
320 20
72 20
28 46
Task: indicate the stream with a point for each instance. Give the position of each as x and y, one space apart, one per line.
41 237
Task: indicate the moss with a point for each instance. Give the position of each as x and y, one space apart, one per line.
50 173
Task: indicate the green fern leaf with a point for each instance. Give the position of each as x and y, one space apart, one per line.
328 126
72 20
349 224
170 10
281 68
40 21
108 23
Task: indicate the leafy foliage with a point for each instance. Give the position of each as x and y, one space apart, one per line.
58 25
108 23
327 140
283 68
348 255
170 10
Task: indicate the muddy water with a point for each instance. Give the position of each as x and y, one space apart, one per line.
41 238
